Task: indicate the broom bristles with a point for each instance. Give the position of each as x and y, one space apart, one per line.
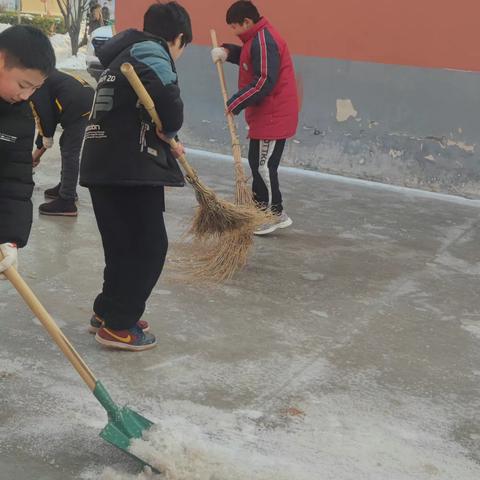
224 235
215 261
243 193
216 217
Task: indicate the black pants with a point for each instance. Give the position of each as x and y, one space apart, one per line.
135 243
264 158
70 146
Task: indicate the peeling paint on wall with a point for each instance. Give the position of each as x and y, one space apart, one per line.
389 124
345 109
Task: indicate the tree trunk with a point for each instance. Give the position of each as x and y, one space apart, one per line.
74 34
73 12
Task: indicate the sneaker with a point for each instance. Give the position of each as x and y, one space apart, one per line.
96 322
59 207
283 221
133 339
54 193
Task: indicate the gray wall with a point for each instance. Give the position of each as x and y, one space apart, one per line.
413 127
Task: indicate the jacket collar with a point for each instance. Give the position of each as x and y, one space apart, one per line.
249 34
117 44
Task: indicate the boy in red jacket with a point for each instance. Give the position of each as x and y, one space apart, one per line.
268 94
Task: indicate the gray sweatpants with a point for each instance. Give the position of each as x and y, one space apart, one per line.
70 146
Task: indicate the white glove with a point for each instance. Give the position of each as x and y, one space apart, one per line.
219 54
47 142
10 257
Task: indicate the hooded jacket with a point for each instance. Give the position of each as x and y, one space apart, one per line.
121 147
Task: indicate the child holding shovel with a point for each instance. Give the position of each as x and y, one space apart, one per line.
126 164
26 58
267 92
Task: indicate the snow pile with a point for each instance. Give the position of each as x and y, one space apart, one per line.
182 450
110 474
333 437
63 51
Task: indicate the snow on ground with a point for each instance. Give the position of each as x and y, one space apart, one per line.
336 436
63 51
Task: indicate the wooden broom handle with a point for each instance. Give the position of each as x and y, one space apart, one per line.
146 100
49 324
223 86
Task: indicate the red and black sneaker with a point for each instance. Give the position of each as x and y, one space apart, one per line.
133 339
96 322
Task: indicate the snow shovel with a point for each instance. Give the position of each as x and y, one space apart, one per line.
124 424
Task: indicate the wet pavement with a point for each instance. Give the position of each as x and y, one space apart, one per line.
349 346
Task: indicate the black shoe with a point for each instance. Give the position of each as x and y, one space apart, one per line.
54 193
60 207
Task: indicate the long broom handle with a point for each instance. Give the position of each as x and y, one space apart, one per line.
49 324
146 100
237 154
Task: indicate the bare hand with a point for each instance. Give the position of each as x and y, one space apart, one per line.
179 149
36 156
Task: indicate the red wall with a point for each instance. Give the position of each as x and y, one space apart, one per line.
424 33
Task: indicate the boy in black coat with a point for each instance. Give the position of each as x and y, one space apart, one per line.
26 58
65 100
126 164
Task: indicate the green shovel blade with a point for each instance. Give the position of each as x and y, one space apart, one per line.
124 424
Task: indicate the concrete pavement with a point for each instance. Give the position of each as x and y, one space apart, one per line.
349 348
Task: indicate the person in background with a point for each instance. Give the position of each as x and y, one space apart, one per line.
96 18
105 13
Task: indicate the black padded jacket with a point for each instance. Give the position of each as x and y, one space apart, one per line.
17 130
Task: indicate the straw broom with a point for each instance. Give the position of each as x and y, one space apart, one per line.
243 193
229 253
214 215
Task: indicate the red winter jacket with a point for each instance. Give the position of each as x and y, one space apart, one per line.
266 81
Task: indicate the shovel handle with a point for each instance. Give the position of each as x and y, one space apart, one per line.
237 153
146 100
49 324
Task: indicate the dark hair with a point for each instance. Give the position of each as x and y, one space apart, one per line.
241 10
25 46
168 20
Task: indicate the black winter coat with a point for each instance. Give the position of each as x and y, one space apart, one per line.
62 99
121 146
17 130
